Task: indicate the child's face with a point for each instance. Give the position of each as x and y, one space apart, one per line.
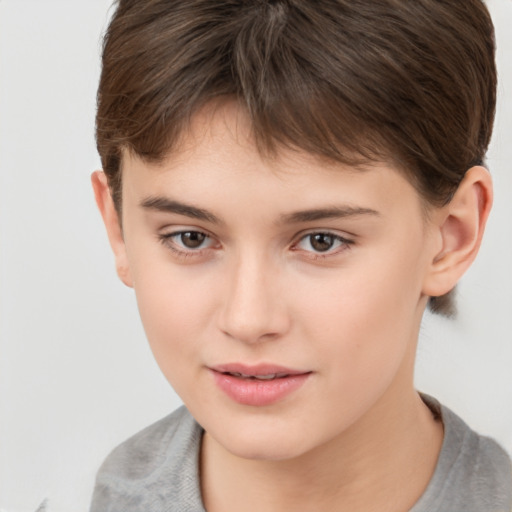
287 266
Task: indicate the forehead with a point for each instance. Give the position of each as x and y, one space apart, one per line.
218 161
223 125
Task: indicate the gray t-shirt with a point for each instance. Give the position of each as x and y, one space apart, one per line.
157 470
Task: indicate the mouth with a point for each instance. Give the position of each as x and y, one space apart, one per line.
262 371
258 385
270 376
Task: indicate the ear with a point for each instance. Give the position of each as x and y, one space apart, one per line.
112 224
460 227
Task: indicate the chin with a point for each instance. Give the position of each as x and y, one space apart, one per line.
271 444
252 450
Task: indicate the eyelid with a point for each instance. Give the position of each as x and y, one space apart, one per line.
166 237
178 229
345 243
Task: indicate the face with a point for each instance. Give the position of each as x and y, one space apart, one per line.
281 297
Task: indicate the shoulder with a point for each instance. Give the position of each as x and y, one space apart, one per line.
473 472
480 464
159 464
139 456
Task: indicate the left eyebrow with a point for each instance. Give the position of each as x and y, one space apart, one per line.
336 212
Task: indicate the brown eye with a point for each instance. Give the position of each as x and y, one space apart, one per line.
189 243
192 239
321 242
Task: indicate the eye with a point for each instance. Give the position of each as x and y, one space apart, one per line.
323 243
187 241
190 239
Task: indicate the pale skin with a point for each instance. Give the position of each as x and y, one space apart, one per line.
219 245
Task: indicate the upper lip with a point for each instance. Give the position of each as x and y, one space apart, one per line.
257 370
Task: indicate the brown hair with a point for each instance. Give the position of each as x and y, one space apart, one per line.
407 81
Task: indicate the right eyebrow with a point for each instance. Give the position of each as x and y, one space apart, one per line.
164 204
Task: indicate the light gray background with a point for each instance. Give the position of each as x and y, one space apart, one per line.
76 375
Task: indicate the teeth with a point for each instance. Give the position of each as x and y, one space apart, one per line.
266 377
270 376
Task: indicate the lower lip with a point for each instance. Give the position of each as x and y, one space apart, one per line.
258 392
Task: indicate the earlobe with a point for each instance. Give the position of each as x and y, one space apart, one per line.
112 224
461 227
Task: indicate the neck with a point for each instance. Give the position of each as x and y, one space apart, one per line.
373 465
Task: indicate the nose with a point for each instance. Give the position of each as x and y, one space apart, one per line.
254 307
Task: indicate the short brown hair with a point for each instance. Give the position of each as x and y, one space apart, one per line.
407 81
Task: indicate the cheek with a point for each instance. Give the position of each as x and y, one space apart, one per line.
175 309
365 318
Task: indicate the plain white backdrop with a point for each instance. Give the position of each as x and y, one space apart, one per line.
76 374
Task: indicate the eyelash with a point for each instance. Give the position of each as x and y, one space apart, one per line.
168 240
344 244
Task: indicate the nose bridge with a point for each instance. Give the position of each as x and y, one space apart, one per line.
253 309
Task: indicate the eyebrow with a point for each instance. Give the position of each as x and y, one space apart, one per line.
164 204
335 212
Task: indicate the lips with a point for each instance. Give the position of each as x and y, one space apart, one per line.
258 385
270 376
